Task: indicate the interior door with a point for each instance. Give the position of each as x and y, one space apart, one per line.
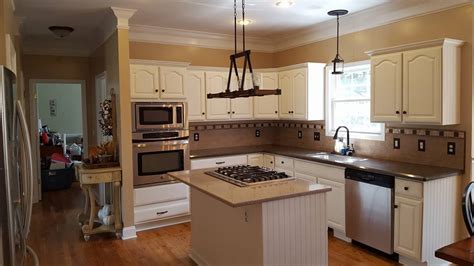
173 82
286 97
196 95
386 88
217 109
300 88
422 86
267 106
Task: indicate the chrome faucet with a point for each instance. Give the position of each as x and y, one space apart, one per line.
349 148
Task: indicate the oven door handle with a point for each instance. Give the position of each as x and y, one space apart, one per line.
161 143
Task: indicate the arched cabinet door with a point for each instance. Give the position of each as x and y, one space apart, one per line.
267 106
144 82
300 93
217 108
196 95
386 88
173 82
286 97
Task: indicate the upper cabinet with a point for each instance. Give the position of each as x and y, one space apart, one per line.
266 107
156 82
196 87
217 109
417 84
302 95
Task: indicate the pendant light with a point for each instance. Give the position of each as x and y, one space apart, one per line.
240 93
338 62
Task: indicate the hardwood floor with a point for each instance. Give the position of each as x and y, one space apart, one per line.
57 239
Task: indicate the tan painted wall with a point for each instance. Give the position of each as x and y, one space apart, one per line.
195 55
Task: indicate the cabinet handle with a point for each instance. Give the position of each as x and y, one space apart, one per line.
271 162
405 188
233 112
162 90
395 206
203 113
161 213
156 90
282 162
397 112
228 112
276 112
222 162
404 112
289 112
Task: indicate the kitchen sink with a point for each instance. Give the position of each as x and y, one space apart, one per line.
337 158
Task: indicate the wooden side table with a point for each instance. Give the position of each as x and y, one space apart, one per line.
460 252
88 179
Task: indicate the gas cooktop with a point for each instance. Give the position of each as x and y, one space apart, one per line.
246 175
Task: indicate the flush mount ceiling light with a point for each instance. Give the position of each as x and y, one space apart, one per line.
240 92
244 22
284 3
338 62
61 31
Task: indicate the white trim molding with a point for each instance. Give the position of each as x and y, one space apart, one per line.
159 62
129 232
418 45
123 15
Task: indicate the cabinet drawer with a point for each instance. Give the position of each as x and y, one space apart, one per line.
160 211
333 173
310 178
305 167
159 194
218 162
289 172
409 188
284 162
96 178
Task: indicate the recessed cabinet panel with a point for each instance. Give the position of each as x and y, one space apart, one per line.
144 82
267 106
335 202
196 85
242 108
173 82
286 98
217 108
300 97
408 227
422 85
386 82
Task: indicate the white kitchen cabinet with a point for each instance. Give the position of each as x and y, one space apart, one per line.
172 82
217 109
218 161
241 108
144 82
196 84
417 83
386 80
255 159
269 161
335 201
266 107
284 164
302 95
408 226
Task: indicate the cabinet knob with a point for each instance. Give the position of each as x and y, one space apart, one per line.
397 112
271 162
156 90
233 112
405 188
228 112
162 90
404 112
203 113
276 112
395 206
282 162
289 112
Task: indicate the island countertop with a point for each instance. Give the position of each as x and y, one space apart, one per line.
415 172
236 196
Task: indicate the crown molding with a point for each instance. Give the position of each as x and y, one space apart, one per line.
389 13
159 62
123 15
417 45
154 34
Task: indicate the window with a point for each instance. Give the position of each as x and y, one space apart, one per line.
348 102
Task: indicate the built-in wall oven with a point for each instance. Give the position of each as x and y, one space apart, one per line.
160 142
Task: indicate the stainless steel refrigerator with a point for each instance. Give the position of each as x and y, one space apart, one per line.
16 175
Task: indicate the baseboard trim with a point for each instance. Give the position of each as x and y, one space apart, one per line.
162 223
412 262
196 258
129 232
342 236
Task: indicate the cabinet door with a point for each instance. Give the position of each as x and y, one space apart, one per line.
286 98
422 86
173 82
242 108
386 88
300 89
267 106
335 204
144 82
255 159
309 178
196 95
269 161
407 232
217 108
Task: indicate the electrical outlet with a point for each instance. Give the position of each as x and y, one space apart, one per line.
317 136
196 136
300 134
396 143
257 133
451 148
421 145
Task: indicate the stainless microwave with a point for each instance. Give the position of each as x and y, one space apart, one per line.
151 116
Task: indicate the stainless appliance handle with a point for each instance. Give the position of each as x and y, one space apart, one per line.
29 184
161 143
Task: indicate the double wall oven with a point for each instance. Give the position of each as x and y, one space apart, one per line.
160 141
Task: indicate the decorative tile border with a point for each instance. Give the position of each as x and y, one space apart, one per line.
427 132
258 124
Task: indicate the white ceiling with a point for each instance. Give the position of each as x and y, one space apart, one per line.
212 16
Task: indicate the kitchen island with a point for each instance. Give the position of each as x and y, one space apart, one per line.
276 223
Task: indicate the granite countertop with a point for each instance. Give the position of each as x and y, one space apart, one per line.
416 172
236 196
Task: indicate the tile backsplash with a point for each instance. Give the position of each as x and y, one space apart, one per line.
306 135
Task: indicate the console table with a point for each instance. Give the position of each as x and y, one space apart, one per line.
87 218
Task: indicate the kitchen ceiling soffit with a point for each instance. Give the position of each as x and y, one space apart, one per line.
380 15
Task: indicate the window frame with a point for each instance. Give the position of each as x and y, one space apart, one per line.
330 130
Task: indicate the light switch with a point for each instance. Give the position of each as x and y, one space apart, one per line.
421 145
396 143
300 134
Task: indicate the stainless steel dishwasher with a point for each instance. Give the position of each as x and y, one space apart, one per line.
369 209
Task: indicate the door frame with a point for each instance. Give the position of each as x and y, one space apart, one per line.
33 122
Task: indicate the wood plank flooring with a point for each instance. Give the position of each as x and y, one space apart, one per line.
57 239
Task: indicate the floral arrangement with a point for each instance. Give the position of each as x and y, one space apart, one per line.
105 122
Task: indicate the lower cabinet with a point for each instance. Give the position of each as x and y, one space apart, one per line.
408 227
218 161
335 204
269 161
255 159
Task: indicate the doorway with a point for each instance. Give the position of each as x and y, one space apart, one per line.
58 119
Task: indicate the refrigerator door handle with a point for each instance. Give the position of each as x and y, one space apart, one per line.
29 162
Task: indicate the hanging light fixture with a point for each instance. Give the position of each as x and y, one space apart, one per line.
338 62
240 93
